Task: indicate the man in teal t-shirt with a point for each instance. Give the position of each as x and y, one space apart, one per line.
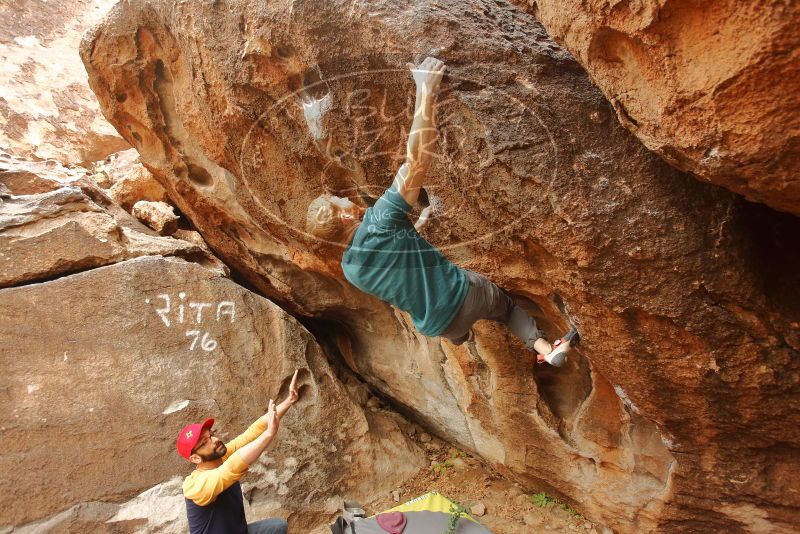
388 258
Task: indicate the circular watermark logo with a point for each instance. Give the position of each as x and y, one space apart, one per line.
347 137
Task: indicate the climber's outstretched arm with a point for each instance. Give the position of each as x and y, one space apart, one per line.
422 137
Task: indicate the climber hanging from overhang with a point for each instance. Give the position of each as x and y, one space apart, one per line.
388 258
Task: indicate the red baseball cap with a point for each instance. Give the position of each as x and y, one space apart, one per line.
189 437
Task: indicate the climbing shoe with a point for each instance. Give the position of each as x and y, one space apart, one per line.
558 355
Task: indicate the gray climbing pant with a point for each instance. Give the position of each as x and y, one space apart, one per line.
268 526
485 300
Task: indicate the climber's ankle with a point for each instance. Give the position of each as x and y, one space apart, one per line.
542 346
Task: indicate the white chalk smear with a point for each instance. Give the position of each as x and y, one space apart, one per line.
175 406
622 395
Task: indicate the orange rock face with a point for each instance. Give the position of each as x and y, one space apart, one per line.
679 409
712 87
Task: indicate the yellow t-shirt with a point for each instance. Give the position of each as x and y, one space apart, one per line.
203 485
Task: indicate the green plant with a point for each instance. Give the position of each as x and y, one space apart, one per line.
441 468
455 453
456 511
570 510
541 499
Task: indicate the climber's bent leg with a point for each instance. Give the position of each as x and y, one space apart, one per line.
470 311
504 310
524 327
485 300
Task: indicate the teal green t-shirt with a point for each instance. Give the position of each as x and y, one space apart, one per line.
388 258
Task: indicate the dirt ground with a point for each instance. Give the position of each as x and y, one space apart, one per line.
508 509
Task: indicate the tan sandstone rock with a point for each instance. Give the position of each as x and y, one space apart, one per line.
478 509
102 368
25 177
51 225
115 167
684 294
46 107
136 185
713 87
159 216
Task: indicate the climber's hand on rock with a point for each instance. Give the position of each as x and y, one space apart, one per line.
428 74
272 419
292 397
294 394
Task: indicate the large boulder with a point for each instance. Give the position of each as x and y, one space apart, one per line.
712 87
101 369
685 295
54 223
46 108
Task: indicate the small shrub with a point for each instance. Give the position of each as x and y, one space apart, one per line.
541 499
441 468
570 510
455 453
456 511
